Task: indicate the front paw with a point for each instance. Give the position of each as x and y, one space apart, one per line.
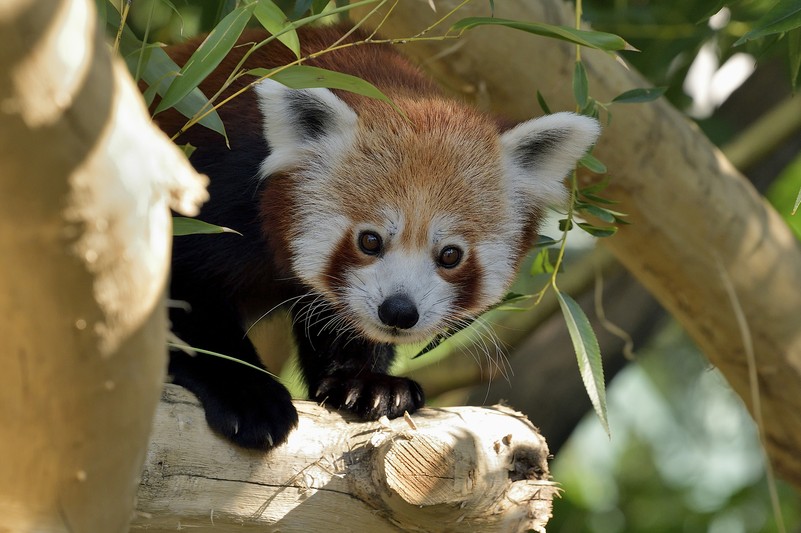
257 413
371 396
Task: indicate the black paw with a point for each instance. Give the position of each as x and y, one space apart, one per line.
371 396
256 413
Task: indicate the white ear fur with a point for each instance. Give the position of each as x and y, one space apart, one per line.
300 124
538 154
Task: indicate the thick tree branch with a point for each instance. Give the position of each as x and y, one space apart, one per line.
479 469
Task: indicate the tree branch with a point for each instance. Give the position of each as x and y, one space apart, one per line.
484 469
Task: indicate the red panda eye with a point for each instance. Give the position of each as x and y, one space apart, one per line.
450 256
370 242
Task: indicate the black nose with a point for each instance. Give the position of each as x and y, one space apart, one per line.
398 311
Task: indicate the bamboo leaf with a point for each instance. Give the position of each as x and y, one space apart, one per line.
592 39
208 55
192 226
274 21
588 354
783 17
639 96
797 203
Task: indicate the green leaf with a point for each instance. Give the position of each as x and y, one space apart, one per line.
208 55
580 84
797 203
542 263
598 212
274 21
192 226
591 163
565 224
639 96
588 354
595 231
592 39
158 73
544 241
783 17
305 77
543 104
598 199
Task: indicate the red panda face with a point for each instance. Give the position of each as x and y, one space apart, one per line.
408 224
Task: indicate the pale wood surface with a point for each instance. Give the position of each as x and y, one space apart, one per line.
455 469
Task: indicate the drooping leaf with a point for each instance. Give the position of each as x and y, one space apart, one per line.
639 96
592 39
192 226
274 21
783 17
207 56
588 354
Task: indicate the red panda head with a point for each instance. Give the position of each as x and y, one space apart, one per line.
408 224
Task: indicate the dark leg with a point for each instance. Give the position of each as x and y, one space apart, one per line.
349 372
243 404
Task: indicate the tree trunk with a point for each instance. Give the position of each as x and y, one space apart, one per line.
440 470
697 224
85 187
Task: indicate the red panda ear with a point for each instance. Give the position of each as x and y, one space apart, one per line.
539 153
302 124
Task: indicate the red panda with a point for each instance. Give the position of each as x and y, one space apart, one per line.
372 227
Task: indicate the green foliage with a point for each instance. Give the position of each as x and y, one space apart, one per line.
208 56
588 354
591 39
305 77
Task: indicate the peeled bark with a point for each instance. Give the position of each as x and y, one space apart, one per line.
85 188
696 222
440 470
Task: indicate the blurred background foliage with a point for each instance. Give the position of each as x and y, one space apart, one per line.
684 455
